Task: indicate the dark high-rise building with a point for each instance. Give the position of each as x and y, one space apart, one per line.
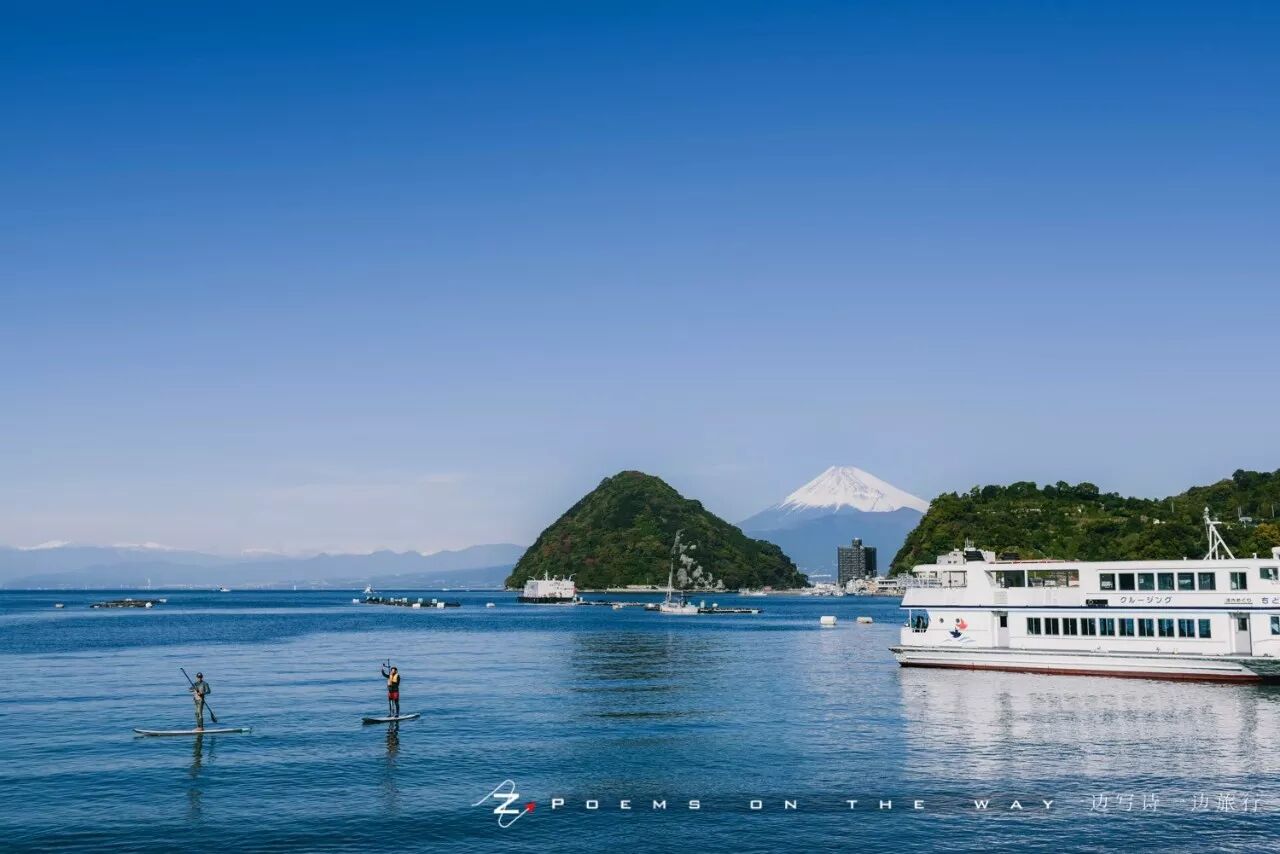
855 561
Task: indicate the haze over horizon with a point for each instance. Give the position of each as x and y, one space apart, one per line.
420 277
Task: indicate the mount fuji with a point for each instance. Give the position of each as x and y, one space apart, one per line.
841 503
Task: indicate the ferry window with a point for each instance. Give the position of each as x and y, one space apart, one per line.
1146 581
1069 626
1186 628
1126 627
1004 621
1107 627
1050 625
1089 626
1164 581
1107 581
1242 624
1275 625
1186 581
1126 581
1205 632
1011 578
1206 581
1053 578
1146 627
1166 628
1239 581
1033 625
1270 573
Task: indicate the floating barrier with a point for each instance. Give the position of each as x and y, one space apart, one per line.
827 622
406 602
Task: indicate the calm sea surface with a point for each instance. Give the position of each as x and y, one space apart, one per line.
592 704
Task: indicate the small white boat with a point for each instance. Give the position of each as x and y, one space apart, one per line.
224 589
675 604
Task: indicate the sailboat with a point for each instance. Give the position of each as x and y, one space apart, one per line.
674 603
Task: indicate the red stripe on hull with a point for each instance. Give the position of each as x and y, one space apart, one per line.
1134 674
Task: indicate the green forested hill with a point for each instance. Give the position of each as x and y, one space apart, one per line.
1080 523
621 533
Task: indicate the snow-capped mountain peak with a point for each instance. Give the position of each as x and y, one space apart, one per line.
849 486
49 544
144 547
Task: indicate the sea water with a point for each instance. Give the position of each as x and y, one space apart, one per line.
753 733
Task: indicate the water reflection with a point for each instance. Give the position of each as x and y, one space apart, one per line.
1001 725
390 791
393 741
194 806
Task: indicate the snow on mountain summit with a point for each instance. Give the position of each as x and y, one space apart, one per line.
849 486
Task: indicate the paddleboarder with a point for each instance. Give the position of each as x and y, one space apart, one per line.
392 675
199 690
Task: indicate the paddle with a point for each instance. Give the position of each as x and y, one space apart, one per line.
212 716
386 667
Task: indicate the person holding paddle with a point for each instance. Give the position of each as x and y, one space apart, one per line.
199 690
392 676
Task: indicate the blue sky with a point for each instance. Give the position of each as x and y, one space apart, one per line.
330 277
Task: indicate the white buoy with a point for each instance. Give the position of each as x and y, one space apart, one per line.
58 605
827 622
355 601
416 605
440 605
865 620
488 604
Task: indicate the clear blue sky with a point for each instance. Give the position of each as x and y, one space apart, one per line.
313 276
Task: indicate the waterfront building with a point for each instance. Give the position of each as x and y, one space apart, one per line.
855 562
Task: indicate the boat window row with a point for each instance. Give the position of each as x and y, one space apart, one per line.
1126 627
1183 582
1037 577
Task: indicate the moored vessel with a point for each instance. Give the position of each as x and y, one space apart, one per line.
549 591
1213 619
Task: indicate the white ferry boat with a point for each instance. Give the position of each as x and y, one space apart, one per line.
1213 619
549 591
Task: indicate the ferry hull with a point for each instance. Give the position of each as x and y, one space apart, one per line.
1132 666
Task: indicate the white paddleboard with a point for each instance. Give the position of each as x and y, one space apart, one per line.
390 719
205 731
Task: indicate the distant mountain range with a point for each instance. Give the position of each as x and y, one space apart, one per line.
829 511
65 565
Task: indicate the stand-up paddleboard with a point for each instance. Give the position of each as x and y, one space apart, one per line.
391 719
206 731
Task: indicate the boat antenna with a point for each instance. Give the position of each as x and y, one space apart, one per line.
1218 549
